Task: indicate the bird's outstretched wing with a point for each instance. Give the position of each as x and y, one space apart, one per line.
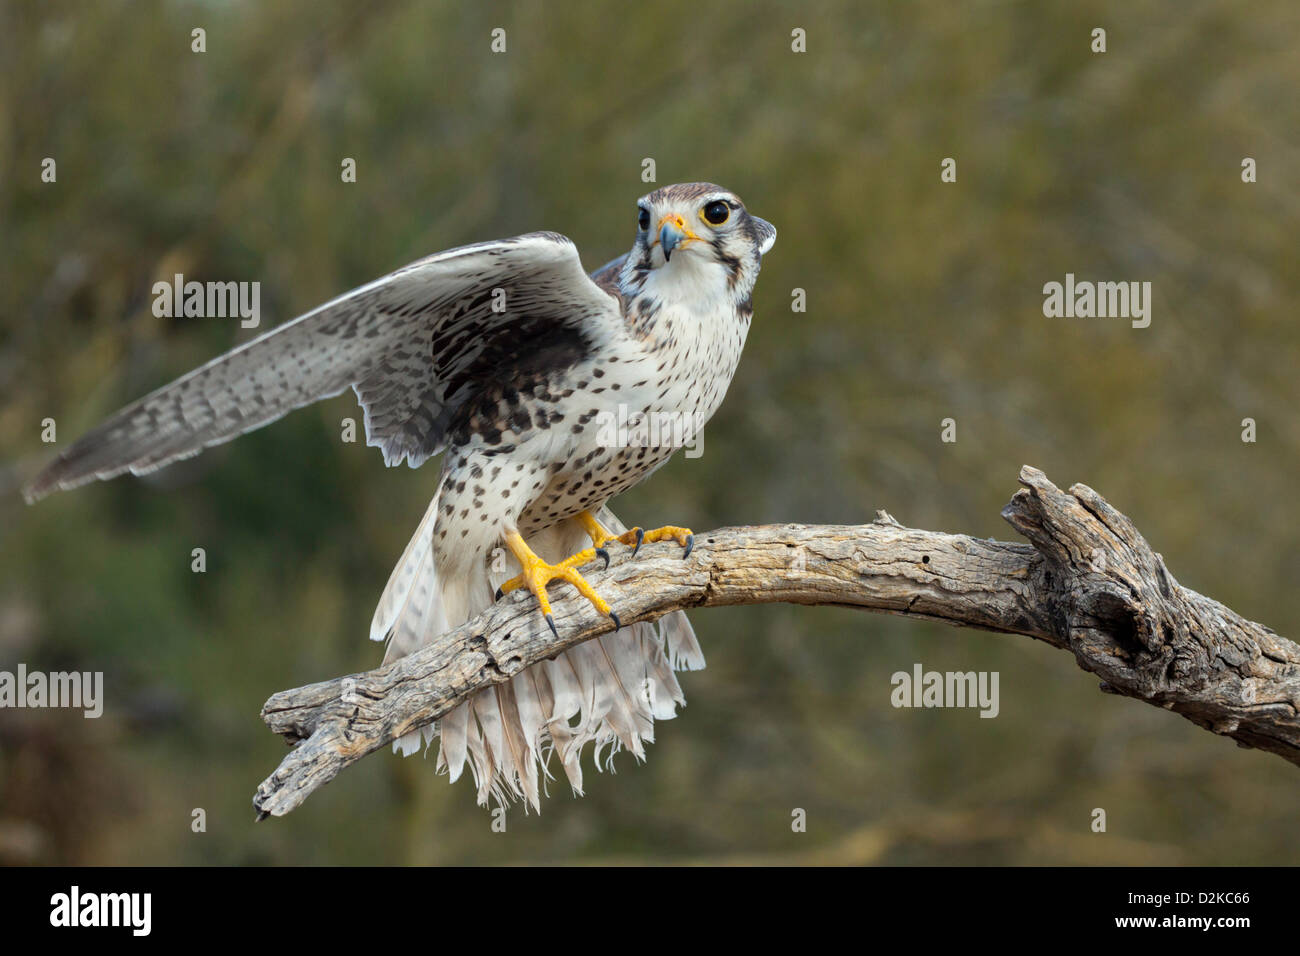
415 345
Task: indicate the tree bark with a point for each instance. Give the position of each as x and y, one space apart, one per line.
1087 582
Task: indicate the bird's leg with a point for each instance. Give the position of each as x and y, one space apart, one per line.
537 574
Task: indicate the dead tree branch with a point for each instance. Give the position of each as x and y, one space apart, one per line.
1087 582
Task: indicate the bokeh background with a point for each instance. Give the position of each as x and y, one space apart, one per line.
924 303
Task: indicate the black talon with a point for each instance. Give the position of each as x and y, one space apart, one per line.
690 546
498 596
618 625
640 536
551 621
602 553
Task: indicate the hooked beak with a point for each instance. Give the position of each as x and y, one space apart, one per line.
672 233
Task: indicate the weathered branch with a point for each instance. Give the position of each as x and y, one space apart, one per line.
1087 582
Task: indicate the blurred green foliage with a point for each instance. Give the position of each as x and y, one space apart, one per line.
924 302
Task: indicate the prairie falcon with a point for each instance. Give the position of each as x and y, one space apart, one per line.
504 356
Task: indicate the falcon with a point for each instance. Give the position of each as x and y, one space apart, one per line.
505 357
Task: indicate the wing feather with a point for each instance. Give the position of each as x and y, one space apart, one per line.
414 345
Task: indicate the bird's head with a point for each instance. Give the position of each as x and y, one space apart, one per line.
696 233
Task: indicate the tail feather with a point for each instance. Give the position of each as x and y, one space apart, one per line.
480 764
566 689
455 742
608 691
566 693
661 683
410 567
532 706
517 754
608 706
684 653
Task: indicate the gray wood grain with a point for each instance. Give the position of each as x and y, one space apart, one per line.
1087 582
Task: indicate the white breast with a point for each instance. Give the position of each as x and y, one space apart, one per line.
697 331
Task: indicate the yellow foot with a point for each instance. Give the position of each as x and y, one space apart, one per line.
636 537
600 537
537 574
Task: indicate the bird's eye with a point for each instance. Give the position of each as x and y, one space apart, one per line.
643 219
716 212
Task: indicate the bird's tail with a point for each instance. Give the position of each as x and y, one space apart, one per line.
608 691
